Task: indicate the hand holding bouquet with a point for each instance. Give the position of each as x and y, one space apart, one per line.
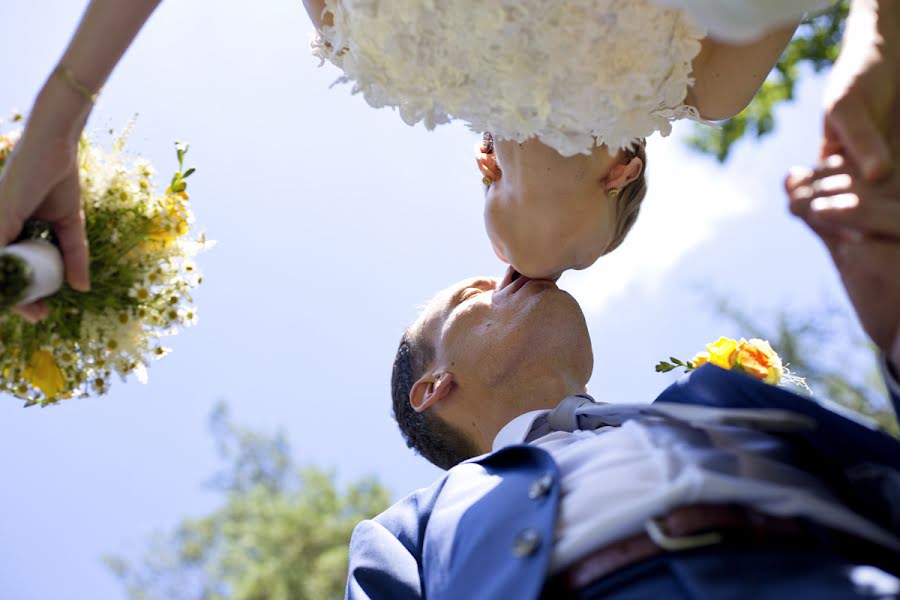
142 274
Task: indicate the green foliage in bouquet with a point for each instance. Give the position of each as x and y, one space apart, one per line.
142 273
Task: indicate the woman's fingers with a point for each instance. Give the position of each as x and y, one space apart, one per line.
862 140
832 198
37 311
70 230
833 164
831 177
872 216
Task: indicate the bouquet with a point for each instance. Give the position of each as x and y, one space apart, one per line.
752 357
142 274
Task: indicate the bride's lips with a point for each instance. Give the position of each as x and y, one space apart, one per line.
515 281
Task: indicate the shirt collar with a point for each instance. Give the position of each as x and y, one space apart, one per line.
517 430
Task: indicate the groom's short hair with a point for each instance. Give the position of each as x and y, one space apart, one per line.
432 437
630 198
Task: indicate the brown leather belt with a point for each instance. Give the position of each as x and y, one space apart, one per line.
700 525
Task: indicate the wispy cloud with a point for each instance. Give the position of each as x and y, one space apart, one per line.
688 200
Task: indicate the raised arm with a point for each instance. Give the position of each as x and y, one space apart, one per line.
862 103
728 75
315 9
40 178
859 222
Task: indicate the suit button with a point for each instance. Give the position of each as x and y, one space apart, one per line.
526 542
541 486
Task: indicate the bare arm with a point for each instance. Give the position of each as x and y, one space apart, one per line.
315 8
106 30
862 98
40 178
727 76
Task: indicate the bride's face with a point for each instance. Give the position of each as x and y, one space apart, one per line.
546 213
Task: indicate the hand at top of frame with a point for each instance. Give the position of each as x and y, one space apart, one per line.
859 222
862 103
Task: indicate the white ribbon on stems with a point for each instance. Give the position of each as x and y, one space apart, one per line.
45 266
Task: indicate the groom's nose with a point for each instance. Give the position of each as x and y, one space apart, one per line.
484 283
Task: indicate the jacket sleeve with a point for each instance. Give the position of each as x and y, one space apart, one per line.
386 552
381 567
892 382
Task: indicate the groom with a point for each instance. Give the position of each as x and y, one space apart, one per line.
724 485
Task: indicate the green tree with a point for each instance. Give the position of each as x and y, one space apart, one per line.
815 45
282 534
825 346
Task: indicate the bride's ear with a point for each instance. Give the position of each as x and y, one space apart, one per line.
487 163
429 390
623 173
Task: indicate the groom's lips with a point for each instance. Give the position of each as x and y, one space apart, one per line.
510 276
518 283
514 281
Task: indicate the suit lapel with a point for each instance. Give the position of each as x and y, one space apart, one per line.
843 442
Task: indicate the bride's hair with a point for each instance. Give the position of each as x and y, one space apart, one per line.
630 198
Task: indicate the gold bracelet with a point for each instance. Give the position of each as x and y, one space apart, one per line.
65 73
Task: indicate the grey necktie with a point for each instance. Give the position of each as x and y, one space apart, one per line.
582 412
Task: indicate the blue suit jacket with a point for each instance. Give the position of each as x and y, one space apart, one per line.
478 533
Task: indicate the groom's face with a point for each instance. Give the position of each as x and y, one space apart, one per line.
491 332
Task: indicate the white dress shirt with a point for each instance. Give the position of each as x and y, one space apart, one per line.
613 479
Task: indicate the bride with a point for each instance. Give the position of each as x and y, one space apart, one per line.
568 90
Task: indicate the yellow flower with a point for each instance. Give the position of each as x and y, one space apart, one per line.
757 358
171 222
721 352
700 359
44 374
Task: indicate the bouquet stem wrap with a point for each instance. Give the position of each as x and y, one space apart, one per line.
29 270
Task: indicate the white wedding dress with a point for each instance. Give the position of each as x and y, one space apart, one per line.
573 73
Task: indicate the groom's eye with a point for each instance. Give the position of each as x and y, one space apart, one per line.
470 293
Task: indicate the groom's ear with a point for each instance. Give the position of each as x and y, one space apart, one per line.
429 390
623 173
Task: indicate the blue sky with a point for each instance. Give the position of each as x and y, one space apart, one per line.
335 221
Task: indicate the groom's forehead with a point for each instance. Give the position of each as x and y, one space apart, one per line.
435 311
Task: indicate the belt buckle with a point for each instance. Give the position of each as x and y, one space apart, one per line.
654 529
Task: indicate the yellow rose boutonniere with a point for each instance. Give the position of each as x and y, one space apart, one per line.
753 357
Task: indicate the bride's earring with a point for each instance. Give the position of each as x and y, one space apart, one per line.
614 193
487 143
487 180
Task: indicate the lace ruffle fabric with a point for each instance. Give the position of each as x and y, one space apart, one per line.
573 73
